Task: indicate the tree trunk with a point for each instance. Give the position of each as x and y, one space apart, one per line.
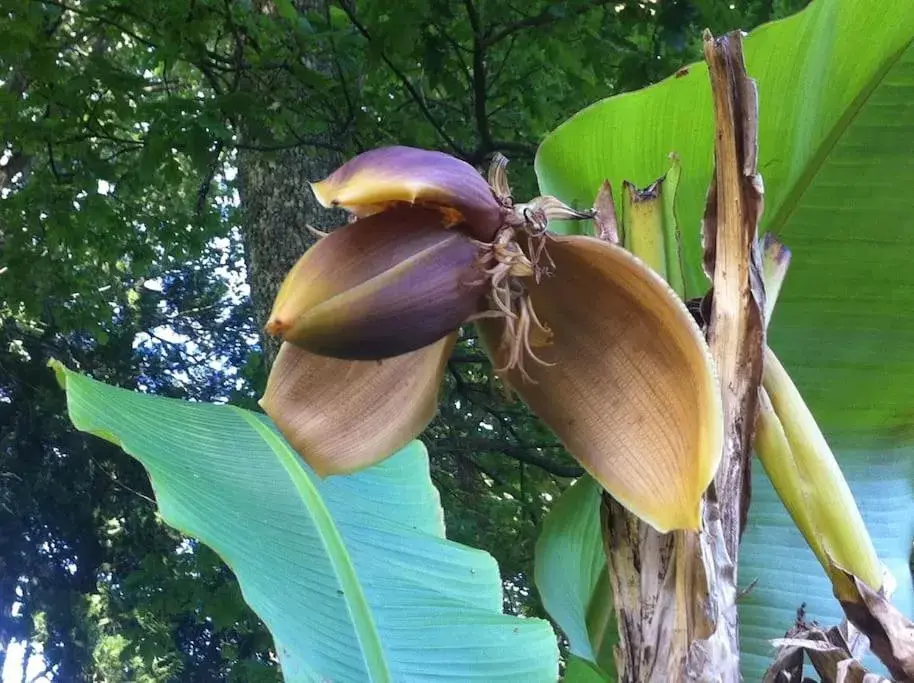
277 203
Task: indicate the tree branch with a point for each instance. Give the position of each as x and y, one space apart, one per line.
501 67
404 79
522 451
203 192
42 674
100 19
469 358
458 49
338 67
541 19
479 79
515 148
524 454
300 142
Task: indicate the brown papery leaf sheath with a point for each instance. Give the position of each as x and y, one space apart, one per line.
732 260
890 632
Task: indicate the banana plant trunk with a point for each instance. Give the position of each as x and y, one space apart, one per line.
675 594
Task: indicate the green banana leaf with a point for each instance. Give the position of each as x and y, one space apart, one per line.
352 575
570 575
581 671
836 152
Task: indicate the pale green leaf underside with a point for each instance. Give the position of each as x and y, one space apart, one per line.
351 574
570 573
836 91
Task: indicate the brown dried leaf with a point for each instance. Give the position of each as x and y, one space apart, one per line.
732 260
852 671
891 634
834 653
787 666
605 218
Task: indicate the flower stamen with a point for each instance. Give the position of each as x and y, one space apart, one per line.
509 297
506 265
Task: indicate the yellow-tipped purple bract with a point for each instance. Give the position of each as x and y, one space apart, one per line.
378 179
380 287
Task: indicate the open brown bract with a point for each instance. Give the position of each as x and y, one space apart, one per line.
629 387
596 343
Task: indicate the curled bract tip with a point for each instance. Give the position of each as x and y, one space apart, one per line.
275 327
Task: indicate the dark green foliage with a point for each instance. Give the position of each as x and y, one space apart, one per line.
106 587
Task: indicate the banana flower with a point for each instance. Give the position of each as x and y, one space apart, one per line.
587 335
